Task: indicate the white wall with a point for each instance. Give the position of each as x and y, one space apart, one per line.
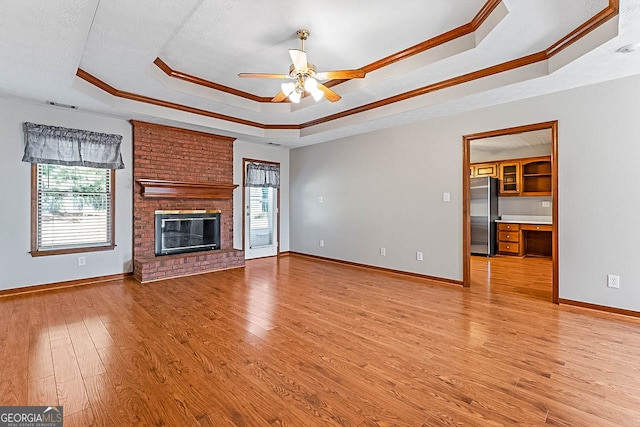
529 205
384 189
248 150
17 267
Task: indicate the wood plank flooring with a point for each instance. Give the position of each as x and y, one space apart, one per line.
301 342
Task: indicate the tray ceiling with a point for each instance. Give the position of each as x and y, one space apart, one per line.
423 59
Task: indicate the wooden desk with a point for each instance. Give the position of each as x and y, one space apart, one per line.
521 239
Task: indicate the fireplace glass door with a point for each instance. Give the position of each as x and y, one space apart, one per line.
261 233
186 231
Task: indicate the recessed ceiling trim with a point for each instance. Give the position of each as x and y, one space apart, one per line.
598 19
580 32
444 84
484 13
159 102
461 31
207 83
443 38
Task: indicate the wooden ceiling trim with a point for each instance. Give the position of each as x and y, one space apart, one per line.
148 100
454 81
451 35
484 13
607 13
206 83
600 18
443 38
419 48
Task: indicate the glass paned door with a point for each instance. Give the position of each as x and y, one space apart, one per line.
261 233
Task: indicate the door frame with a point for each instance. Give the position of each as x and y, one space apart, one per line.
466 204
246 160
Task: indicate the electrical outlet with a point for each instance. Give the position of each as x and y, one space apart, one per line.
320 199
419 256
321 243
383 252
446 197
546 204
613 281
82 260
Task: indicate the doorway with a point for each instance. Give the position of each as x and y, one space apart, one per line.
260 201
496 138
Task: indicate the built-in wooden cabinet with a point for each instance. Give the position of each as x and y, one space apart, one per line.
524 239
536 177
484 169
519 177
509 178
509 239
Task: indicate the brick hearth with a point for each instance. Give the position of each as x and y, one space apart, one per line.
173 154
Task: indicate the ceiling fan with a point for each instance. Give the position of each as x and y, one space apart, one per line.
306 77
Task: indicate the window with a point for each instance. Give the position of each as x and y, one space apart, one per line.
261 217
72 209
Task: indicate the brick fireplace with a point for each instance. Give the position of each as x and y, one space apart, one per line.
179 169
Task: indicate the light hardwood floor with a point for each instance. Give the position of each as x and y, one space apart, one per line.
300 342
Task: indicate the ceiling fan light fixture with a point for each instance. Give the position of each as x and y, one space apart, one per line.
295 97
311 86
288 88
317 94
304 73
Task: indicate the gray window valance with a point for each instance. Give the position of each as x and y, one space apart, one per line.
262 175
71 147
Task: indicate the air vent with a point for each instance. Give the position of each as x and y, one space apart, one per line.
57 104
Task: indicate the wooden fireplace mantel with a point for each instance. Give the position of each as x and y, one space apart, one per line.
185 190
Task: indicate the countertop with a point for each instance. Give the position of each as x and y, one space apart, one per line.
526 219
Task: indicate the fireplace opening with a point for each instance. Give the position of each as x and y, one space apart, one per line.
187 231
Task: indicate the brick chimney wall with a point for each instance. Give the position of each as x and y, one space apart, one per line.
174 154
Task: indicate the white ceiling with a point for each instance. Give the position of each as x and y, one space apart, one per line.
44 42
514 141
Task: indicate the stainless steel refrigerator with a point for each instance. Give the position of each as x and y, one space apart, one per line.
484 213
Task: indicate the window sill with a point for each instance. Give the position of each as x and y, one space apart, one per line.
36 253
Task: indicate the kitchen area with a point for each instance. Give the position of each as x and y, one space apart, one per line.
511 179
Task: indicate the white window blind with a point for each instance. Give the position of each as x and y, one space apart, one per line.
74 206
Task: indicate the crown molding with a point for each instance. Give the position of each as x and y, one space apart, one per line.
463 30
95 81
597 20
207 83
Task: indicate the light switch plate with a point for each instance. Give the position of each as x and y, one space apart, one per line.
446 197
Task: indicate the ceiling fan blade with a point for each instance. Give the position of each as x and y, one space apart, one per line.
279 97
341 74
328 93
298 58
265 75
